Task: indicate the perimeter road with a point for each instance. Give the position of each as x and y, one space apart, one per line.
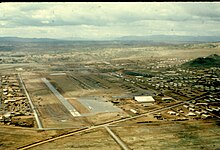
117 139
31 104
65 103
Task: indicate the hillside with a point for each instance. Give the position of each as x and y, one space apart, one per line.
204 62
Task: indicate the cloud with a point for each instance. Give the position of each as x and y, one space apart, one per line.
109 19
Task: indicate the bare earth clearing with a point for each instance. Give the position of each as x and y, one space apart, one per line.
101 84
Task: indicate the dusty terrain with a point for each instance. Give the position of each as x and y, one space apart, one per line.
101 82
13 137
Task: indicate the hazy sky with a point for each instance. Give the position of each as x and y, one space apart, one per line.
108 20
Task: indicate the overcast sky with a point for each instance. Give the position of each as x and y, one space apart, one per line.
108 20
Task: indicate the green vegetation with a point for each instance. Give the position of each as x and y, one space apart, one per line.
204 62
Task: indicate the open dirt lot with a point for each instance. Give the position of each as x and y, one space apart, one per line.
169 135
192 135
92 140
14 137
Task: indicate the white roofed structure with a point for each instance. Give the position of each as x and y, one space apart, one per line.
144 99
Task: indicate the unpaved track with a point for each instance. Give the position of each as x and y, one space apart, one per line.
39 124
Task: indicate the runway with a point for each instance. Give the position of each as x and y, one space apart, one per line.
68 106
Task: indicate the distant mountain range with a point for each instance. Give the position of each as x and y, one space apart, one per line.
147 39
171 38
204 62
18 39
